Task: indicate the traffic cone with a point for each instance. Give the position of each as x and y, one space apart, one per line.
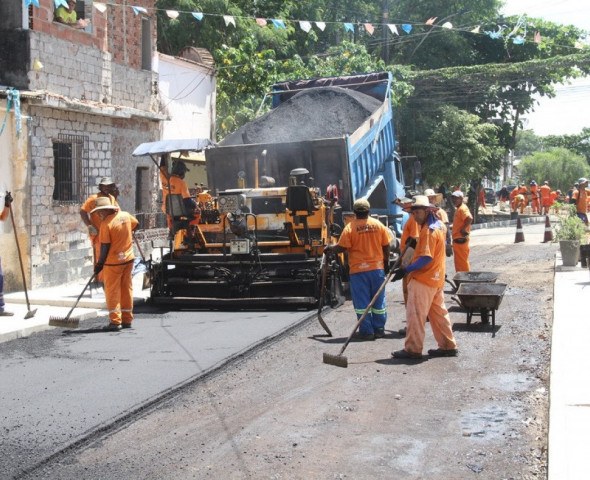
519 237
548 231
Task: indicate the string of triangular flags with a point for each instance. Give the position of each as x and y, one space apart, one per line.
517 34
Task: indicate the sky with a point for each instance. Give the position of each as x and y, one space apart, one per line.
567 112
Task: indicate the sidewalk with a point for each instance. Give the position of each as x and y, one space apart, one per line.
56 302
569 394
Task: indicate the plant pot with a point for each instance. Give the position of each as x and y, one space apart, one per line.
584 255
570 251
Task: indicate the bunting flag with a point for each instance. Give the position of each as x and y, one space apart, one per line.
369 28
229 19
13 100
138 10
321 25
101 7
430 21
518 40
198 16
173 14
305 25
348 27
495 35
279 24
406 27
261 22
537 37
392 28
476 29
448 25
60 3
28 3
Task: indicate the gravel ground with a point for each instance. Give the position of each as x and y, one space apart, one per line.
327 112
283 414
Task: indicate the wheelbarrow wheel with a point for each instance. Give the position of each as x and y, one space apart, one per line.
485 315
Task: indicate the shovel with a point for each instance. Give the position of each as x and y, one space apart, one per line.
30 313
324 274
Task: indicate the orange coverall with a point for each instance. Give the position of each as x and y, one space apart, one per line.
546 201
116 231
95 221
425 294
411 230
535 199
461 250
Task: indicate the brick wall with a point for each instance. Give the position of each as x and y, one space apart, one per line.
60 249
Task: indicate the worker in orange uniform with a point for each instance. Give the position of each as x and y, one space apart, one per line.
545 193
116 262
580 199
106 189
367 241
460 233
425 287
175 184
408 241
3 214
535 195
481 199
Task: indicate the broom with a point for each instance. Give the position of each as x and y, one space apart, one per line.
67 322
340 360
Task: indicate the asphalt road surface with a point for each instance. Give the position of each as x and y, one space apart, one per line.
131 404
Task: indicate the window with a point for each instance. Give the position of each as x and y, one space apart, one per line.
70 166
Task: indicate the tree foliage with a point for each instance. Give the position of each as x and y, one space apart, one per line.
458 147
559 166
527 142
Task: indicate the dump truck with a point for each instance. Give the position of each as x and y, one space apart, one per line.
279 190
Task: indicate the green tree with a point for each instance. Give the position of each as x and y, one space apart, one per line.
561 167
457 147
578 143
527 143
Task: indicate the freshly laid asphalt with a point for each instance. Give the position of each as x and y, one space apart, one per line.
569 413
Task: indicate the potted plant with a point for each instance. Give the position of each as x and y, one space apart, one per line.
569 232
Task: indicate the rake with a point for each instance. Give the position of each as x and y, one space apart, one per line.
67 322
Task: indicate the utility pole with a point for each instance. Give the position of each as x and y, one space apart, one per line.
384 39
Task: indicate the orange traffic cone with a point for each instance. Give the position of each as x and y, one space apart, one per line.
519 237
548 231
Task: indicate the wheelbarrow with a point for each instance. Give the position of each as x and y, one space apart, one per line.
481 299
472 277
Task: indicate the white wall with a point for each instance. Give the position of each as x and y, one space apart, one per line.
187 92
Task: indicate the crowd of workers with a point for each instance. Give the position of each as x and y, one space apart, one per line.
426 239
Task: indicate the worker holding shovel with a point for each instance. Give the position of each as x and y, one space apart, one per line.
3 215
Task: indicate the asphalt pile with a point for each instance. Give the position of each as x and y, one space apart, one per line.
327 112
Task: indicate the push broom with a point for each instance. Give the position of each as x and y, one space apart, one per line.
30 313
340 360
67 322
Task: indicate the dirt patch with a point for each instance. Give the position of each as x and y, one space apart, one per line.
327 112
283 414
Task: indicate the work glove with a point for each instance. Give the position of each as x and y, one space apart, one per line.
449 250
98 268
8 199
386 267
398 274
92 230
411 242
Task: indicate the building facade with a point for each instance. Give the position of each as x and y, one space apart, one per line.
88 97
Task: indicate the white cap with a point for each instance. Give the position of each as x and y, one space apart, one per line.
429 192
457 193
